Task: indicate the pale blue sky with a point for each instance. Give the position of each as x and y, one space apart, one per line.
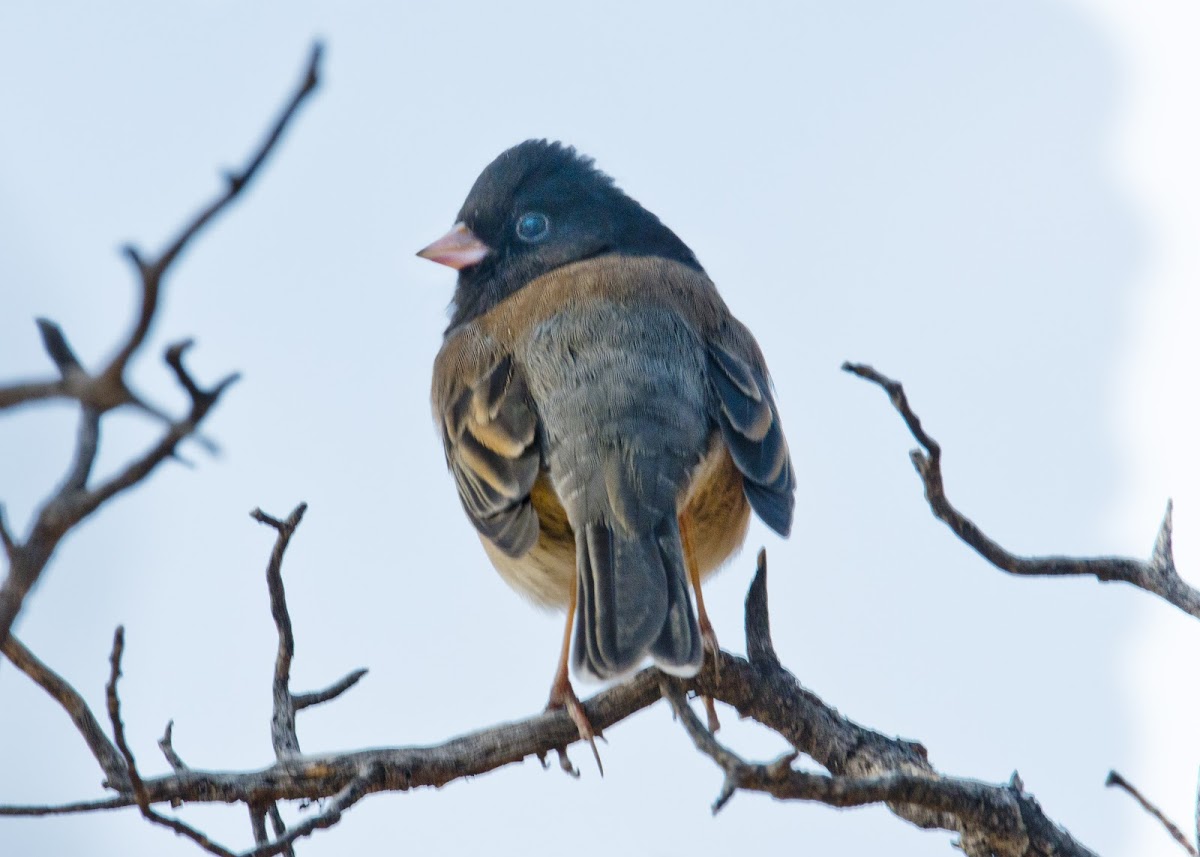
930 187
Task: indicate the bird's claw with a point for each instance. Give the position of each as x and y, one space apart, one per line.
564 697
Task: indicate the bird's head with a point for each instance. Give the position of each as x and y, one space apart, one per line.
537 207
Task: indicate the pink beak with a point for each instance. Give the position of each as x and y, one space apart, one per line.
458 249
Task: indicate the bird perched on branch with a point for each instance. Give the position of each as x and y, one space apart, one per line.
609 424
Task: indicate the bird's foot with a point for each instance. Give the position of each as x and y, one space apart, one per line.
562 695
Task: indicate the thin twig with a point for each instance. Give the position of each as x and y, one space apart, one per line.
140 468
283 714
152 271
6 539
704 740
1157 576
141 796
74 808
168 750
304 700
1115 779
87 444
55 343
280 828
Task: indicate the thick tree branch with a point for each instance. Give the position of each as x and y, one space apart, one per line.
318 776
864 766
1158 575
989 816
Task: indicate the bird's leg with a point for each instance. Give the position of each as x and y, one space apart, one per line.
708 637
562 695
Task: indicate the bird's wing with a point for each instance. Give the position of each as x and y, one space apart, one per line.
489 428
750 426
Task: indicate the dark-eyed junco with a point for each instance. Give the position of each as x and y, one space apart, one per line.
608 422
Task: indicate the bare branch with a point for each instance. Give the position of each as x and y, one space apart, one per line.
6 539
355 790
864 766
73 501
991 819
107 390
87 444
26 562
316 697
74 808
202 400
706 742
313 777
140 794
258 823
867 767
114 714
283 716
58 349
152 272
759 647
140 468
28 392
168 750
65 695
103 393
280 828
1115 779
1157 576
71 372
159 415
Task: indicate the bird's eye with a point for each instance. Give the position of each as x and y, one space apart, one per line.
533 226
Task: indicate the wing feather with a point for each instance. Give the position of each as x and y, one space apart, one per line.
751 429
489 429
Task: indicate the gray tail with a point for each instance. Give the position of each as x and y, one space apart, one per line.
633 601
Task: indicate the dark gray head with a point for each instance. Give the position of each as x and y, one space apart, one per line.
537 207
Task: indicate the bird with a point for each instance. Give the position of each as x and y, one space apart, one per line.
608 423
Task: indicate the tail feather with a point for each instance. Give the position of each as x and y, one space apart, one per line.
633 601
678 649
